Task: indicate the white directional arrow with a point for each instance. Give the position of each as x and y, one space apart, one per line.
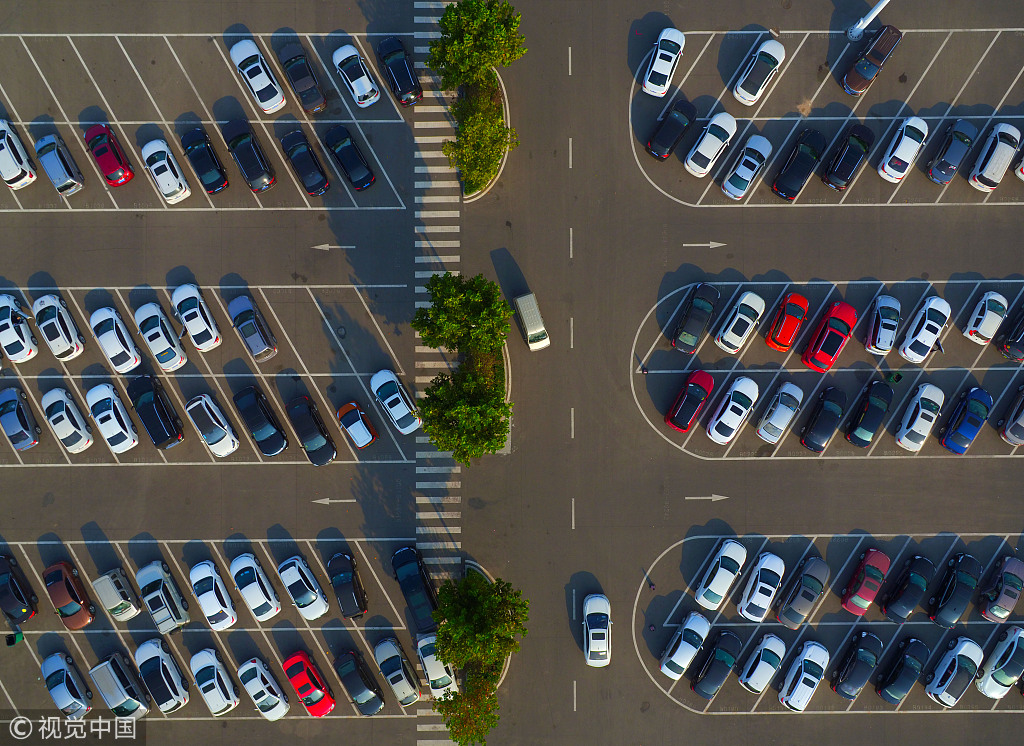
329 500
329 246
712 498
705 245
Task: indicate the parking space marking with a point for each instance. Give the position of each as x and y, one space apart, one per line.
992 116
679 88
113 624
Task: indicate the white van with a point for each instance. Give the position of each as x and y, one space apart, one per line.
531 322
119 687
996 155
116 595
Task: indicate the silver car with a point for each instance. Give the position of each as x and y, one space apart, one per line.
252 329
925 329
956 670
66 421
756 152
395 669
66 687
163 343
305 591
684 645
1002 668
214 682
762 664
885 320
780 412
919 417
740 323
161 675
58 327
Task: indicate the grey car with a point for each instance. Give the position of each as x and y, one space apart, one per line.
960 137
885 320
695 319
17 421
252 329
809 584
64 682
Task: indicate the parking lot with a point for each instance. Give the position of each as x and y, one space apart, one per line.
828 624
962 365
939 75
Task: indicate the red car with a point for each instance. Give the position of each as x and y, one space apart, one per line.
866 581
314 694
830 336
788 319
68 595
696 391
103 144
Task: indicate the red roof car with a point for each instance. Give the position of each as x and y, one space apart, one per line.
864 585
788 319
830 336
103 144
691 400
68 595
309 684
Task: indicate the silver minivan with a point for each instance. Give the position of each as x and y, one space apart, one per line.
532 323
996 154
162 597
115 593
119 686
56 160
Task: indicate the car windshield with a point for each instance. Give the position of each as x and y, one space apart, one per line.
867 657
693 391
742 399
212 432
667 45
795 311
687 338
934 314
856 143
302 593
594 622
692 639
711 596
813 669
807 150
914 134
977 407
898 164
832 342
8 406
929 406
889 314
716 131
831 407
860 602
992 305
703 305
772 429
865 69
738 181
965 579
919 348
658 79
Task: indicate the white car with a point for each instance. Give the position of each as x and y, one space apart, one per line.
761 67
597 630
263 689
764 583
211 424
16 168
254 587
684 645
903 150
762 664
66 421
920 416
1002 668
955 671
66 687
395 400
58 327
721 574
355 75
733 410
805 673
192 311
305 592
665 56
780 413
214 682
755 155
885 320
212 595
161 675
158 334
111 418
740 323
986 318
16 336
439 675
925 329
169 178
257 76
114 339
711 144
395 669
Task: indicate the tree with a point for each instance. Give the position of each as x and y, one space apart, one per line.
479 621
481 138
471 713
476 35
466 413
466 314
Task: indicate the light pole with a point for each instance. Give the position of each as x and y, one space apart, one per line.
856 31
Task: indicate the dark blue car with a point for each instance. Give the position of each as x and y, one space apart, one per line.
967 421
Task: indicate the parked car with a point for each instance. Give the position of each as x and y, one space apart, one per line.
16 337
254 587
115 594
684 645
789 317
398 70
111 418
885 320
671 128
355 75
303 588
313 691
66 687
114 340
356 425
1011 427
903 150
1010 343
302 78
956 669
395 669
866 581
17 420
160 337
903 596
215 685
986 318
967 419
691 400
919 417
17 599
260 421
998 600
780 413
161 675
761 67
597 630
349 157
807 151
954 594
68 595
752 160
316 442
694 321
263 689
851 153
257 76
764 583
16 167
108 154
804 674
360 685
213 597
857 666
712 142
870 414
996 155
439 675
304 163
119 687
733 410
189 306
824 420
343 572
830 336
960 138
740 322
895 683
161 597
864 71
252 329
808 585
721 574
1003 667
248 155
204 160
59 165
154 409
417 587
762 664
717 666
212 425
665 56
167 174
395 400
58 327
66 421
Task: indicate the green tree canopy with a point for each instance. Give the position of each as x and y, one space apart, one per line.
479 622
466 413
471 713
476 35
466 314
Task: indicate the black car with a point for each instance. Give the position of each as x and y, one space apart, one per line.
960 137
359 683
670 130
800 165
717 667
150 402
896 682
958 585
344 575
304 163
398 71
417 587
870 413
851 153
854 672
1011 343
805 590
248 155
17 599
302 78
259 419
906 593
824 419
348 156
313 436
695 319
199 150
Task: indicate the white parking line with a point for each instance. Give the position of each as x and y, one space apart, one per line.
679 88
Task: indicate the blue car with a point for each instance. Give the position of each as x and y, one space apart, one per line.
967 420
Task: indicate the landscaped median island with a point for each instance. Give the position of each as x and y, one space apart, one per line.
476 37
